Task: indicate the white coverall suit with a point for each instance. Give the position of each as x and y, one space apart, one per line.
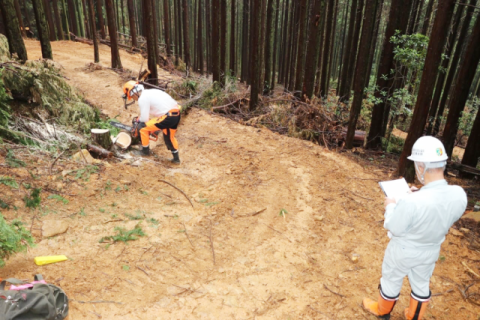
418 224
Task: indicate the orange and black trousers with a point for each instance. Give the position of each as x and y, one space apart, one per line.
168 124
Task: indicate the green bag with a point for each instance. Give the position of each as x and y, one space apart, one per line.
42 302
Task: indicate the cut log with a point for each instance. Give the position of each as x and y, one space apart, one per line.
463 168
99 151
123 140
102 138
358 139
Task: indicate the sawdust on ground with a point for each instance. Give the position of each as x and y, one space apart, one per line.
317 260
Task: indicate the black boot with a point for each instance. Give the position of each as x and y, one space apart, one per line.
176 157
144 152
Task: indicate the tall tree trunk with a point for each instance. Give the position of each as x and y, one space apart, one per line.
361 71
58 21
353 52
428 15
263 21
180 28
472 151
131 19
78 12
43 31
185 35
51 26
65 17
3 28
441 75
166 27
453 67
223 39
232 38
200 38
12 28
460 91
301 47
112 32
327 46
27 16
19 17
122 5
85 18
208 36
94 34
342 92
275 46
101 23
396 21
255 56
342 49
293 53
281 67
378 17
432 62
333 47
245 42
73 18
215 15
315 31
290 44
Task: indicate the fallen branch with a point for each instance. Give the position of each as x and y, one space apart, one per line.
251 214
211 242
186 233
338 294
53 163
442 293
143 271
178 190
99 151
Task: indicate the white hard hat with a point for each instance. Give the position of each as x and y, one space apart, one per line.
428 149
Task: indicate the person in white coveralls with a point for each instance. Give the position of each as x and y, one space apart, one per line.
417 225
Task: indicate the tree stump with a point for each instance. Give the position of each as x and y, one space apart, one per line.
102 138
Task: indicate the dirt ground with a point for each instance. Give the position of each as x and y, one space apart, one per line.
279 229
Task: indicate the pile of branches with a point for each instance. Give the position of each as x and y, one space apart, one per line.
312 120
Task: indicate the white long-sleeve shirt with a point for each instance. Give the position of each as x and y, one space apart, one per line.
154 103
422 219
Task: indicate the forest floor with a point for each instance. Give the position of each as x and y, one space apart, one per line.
280 228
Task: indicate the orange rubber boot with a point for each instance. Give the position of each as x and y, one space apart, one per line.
381 308
416 309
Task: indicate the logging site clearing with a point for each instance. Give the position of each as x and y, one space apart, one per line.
277 227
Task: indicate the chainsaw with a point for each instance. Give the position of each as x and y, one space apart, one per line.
134 129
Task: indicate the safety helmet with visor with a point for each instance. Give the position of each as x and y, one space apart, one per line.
431 152
130 88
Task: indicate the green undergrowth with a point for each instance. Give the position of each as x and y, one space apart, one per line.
14 238
124 235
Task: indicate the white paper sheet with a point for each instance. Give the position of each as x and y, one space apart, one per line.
395 189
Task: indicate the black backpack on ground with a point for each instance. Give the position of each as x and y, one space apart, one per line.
42 302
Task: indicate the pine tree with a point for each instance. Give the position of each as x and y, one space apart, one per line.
361 72
43 31
94 34
460 91
12 30
430 70
131 20
112 31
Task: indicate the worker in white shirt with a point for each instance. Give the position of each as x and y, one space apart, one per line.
165 113
418 224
